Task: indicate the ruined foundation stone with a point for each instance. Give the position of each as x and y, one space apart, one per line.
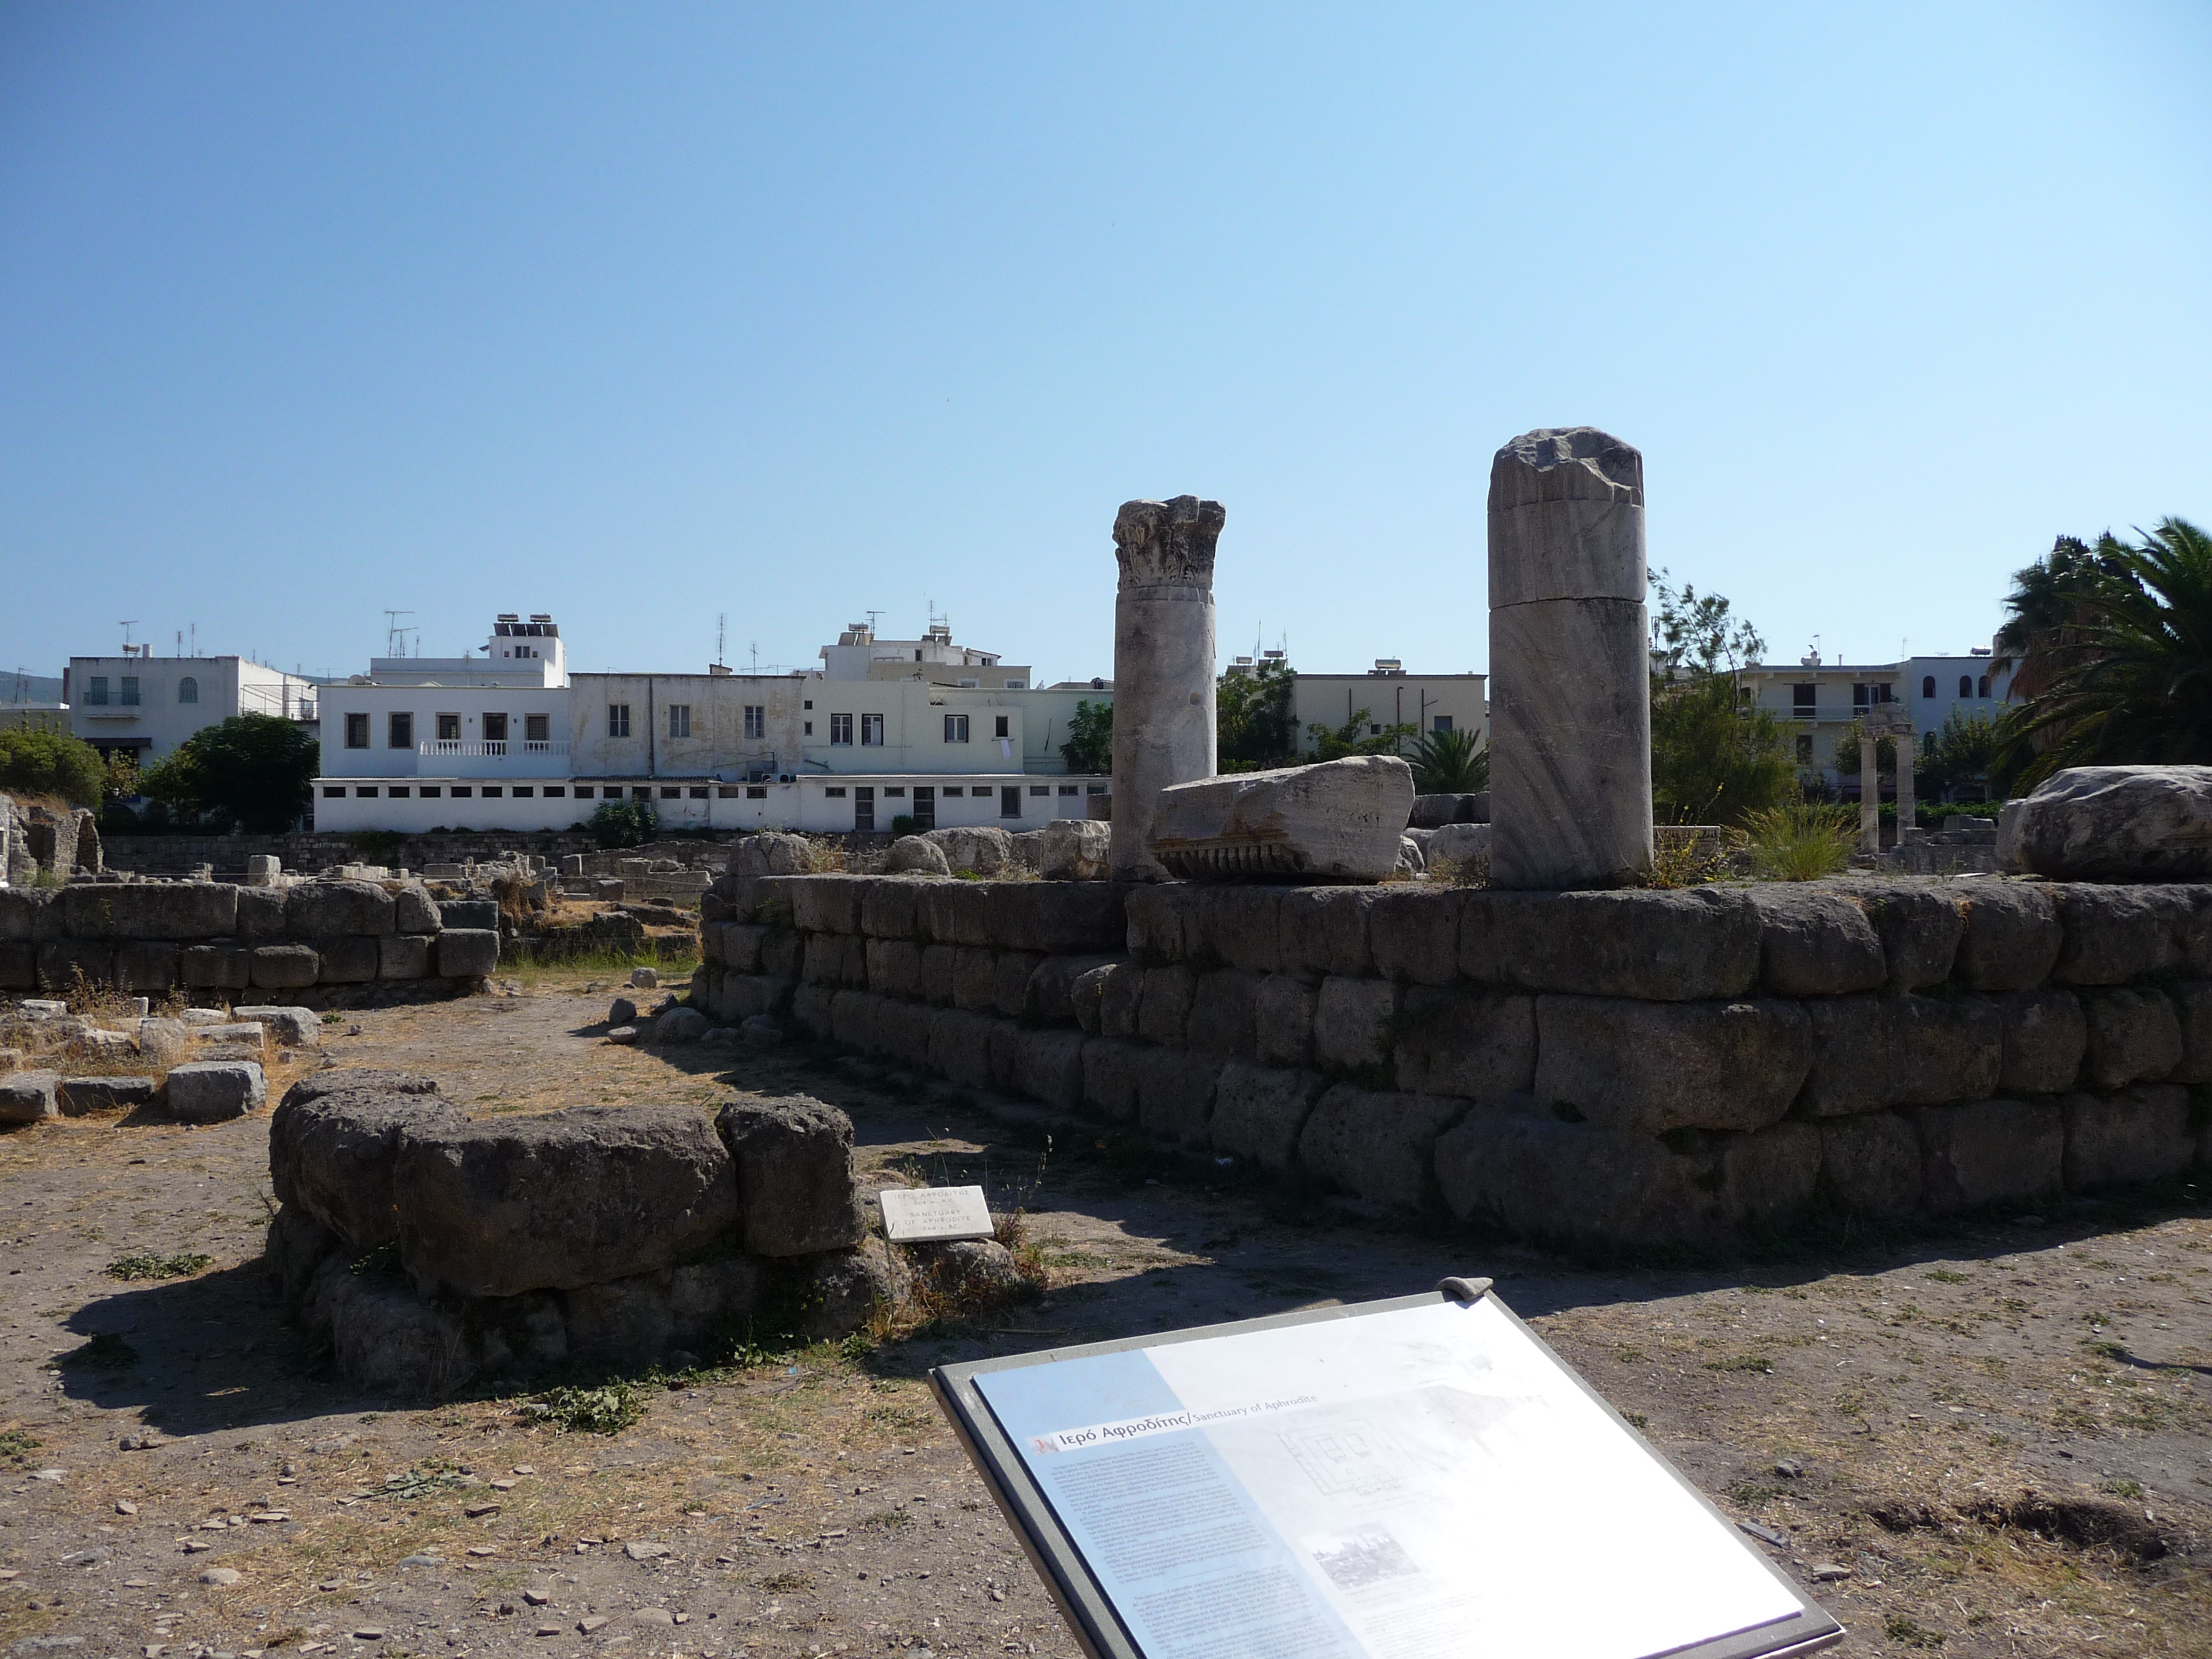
1571 713
2114 822
1163 665
1339 821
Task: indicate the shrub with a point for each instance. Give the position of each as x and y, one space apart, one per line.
51 764
903 824
619 824
1798 842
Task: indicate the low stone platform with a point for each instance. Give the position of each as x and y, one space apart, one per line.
431 1249
1596 1068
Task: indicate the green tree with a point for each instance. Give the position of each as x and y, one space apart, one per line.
1090 745
1254 724
1955 763
1847 752
624 823
51 764
1449 763
1353 738
1716 757
2128 676
252 771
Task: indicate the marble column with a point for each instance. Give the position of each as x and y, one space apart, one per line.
1869 794
1907 745
1570 665
1163 665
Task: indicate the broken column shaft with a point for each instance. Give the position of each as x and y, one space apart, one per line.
1163 661
1570 690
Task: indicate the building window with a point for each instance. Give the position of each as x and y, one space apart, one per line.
1803 698
1010 801
537 728
1000 725
398 792
1966 686
871 731
188 689
617 719
399 731
463 791
449 728
1070 789
1858 696
756 792
333 792
356 731
495 729
95 690
679 719
130 698
836 792
898 789
1984 691
955 789
556 792
809 728
809 704
756 721
841 730
1927 685
1041 789
955 728
1440 723
639 792
1094 789
583 791
365 792
698 792
523 791
492 791
432 791
864 809
1804 751
1018 685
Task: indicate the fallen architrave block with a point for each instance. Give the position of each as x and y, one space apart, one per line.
1338 821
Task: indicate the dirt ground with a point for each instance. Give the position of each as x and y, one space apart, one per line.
1991 1439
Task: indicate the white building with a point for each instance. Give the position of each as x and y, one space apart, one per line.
1818 701
145 705
924 729
1391 697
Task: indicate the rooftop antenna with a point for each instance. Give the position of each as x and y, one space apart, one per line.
126 627
754 648
195 631
395 636
180 641
721 620
871 616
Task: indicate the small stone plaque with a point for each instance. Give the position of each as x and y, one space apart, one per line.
931 1215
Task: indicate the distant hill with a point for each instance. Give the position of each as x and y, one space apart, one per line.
29 688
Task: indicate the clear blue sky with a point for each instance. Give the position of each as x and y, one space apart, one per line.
640 314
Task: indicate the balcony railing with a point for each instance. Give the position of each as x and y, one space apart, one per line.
489 748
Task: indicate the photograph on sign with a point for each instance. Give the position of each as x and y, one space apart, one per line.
1422 1481
934 1215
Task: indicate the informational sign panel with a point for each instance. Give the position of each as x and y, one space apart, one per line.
1407 1479
934 1215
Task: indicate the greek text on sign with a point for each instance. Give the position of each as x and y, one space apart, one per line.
931 1215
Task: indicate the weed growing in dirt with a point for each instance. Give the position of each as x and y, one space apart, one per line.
608 1409
1903 1631
106 1352
420 1481
15 1445
787 1583
146 1265
885 1520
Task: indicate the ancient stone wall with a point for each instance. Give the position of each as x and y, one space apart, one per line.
310 852
430 1248
1595 1067
225 941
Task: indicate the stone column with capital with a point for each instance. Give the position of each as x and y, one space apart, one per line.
1569 662
1163 665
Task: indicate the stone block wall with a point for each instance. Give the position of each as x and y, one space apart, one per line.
431 1248
238 942
1595 1068
309 851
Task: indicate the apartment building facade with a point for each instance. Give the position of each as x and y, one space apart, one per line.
138 704
1817 701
